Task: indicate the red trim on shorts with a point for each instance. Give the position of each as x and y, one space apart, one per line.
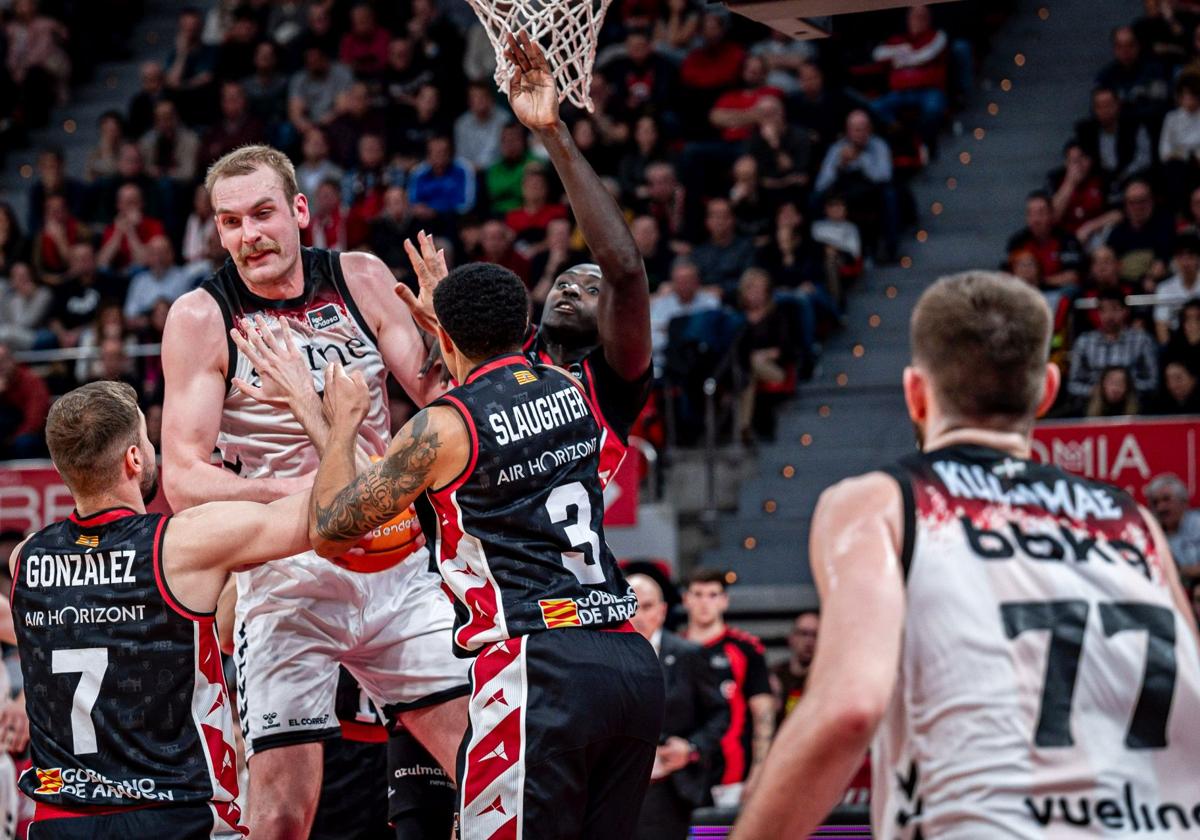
160 578
48 811
625 626
494 364
102 517
363 733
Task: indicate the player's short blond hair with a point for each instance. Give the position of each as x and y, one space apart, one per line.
984 339
88 431
246 160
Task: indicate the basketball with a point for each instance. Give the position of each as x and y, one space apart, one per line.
385 546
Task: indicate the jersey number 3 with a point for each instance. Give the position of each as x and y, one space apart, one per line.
1067 623
579 532
90 664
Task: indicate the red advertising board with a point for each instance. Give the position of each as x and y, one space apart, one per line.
1127 454
32 496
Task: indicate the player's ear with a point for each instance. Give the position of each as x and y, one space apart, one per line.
134 460
1050 388
300 209
916 395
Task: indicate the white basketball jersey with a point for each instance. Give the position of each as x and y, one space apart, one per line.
258 440
1048 686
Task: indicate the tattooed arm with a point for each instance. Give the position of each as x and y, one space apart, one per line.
428 452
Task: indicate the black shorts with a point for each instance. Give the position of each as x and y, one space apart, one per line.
562 734
353 803
194 821
421 796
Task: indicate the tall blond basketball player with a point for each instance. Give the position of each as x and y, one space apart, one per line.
1015 638
296 621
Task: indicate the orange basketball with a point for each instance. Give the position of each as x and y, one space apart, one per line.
385 546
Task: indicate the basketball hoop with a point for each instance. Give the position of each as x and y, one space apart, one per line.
566 30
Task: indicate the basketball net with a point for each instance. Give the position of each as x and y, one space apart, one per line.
566 29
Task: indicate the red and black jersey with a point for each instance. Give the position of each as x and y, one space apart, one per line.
520 533
616 400
126 698
741 658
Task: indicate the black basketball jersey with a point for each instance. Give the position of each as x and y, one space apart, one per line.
520 534
1046 674
616 401
124 689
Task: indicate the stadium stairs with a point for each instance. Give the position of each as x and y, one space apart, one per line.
73 127
850 418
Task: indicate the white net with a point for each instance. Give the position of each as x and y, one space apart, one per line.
566 29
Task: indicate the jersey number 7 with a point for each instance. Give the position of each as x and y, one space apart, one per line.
90 664
1067 622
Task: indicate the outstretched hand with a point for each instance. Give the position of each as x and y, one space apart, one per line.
532 92
282 370
429 264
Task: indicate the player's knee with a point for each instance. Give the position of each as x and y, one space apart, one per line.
281 820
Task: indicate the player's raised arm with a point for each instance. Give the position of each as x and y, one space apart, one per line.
855 554
623 316
193 344
430 450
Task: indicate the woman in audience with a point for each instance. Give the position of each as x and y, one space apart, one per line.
1180 140
102 160
24 304
646 148
1184 345
1114 395
109 325
196 229
1179 393
767 350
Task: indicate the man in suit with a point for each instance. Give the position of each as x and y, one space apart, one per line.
688 761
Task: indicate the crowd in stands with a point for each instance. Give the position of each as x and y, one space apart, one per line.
759 174
1111 238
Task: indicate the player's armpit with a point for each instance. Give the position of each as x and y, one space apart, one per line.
431 449
855 555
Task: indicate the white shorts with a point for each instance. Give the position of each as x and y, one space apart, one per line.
298 618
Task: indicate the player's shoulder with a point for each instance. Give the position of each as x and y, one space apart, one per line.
865 494
363 265
194 316
744 639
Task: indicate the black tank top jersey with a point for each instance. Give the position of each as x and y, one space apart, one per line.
520 534
359 719
617 402
124 688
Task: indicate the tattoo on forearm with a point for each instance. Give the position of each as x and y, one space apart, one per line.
382 492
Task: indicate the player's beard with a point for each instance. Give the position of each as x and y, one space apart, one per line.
149 482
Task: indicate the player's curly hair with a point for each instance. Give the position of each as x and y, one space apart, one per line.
484 308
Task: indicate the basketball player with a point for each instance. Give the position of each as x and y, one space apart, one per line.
129 714
596 319
564 716
1046 680
297 621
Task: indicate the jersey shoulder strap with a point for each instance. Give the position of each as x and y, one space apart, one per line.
902 472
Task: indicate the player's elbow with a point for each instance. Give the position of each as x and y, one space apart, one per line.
855 720
179 485
323 542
